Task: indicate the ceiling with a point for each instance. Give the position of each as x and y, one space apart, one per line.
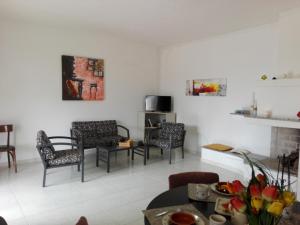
158 22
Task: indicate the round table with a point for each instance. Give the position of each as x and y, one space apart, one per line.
179 196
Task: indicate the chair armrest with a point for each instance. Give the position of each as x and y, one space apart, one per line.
62 137
127 130
61 143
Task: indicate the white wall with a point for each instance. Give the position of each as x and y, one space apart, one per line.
289 49
30 84
240 57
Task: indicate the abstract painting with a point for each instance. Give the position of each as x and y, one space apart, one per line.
206 87
82 78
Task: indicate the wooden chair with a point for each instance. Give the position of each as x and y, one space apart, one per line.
11 151
181 179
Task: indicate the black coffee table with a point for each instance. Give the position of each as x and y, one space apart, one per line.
179 196
136 148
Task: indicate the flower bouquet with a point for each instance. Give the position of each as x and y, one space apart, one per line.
261 202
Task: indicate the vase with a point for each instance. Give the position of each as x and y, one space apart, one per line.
238 218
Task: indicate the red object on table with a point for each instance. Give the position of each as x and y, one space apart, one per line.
298 114
182 218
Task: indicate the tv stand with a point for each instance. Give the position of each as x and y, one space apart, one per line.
153 120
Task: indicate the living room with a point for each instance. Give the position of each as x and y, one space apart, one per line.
148 48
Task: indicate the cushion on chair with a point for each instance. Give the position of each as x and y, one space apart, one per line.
64 157
165 143
96 128
174 129
107 128
181 179
43 140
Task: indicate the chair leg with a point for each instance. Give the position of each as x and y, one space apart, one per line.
97 156
14 160
161 151
182 149
44 178
8 159
78 167
170 156
82 167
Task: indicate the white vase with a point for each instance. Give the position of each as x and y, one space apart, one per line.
238 218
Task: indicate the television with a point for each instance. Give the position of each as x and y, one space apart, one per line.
155 103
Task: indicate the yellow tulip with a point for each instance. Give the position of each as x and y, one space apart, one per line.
288 198
257 203
275 208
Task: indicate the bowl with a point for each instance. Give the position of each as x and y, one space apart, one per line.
182 218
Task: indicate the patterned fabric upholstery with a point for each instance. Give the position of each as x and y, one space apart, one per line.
96 128
173 130
165 143
97 133
64 157
42 141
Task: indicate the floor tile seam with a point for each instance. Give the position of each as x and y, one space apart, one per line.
20 206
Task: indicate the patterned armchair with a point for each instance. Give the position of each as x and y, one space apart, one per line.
52 158
98 133
171 136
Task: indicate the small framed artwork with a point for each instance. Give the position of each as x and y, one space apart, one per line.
206 87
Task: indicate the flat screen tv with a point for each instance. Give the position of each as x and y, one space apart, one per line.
155 103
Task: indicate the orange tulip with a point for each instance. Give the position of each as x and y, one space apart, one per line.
262 180
238 204
255 191
270 193
237 187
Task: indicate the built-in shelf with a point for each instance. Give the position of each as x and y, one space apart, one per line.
274 122
279 82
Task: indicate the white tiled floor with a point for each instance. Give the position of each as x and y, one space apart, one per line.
116 198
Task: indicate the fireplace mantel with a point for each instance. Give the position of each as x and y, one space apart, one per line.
273 122
286 123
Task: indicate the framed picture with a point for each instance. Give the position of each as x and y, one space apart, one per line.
206 87
82 78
